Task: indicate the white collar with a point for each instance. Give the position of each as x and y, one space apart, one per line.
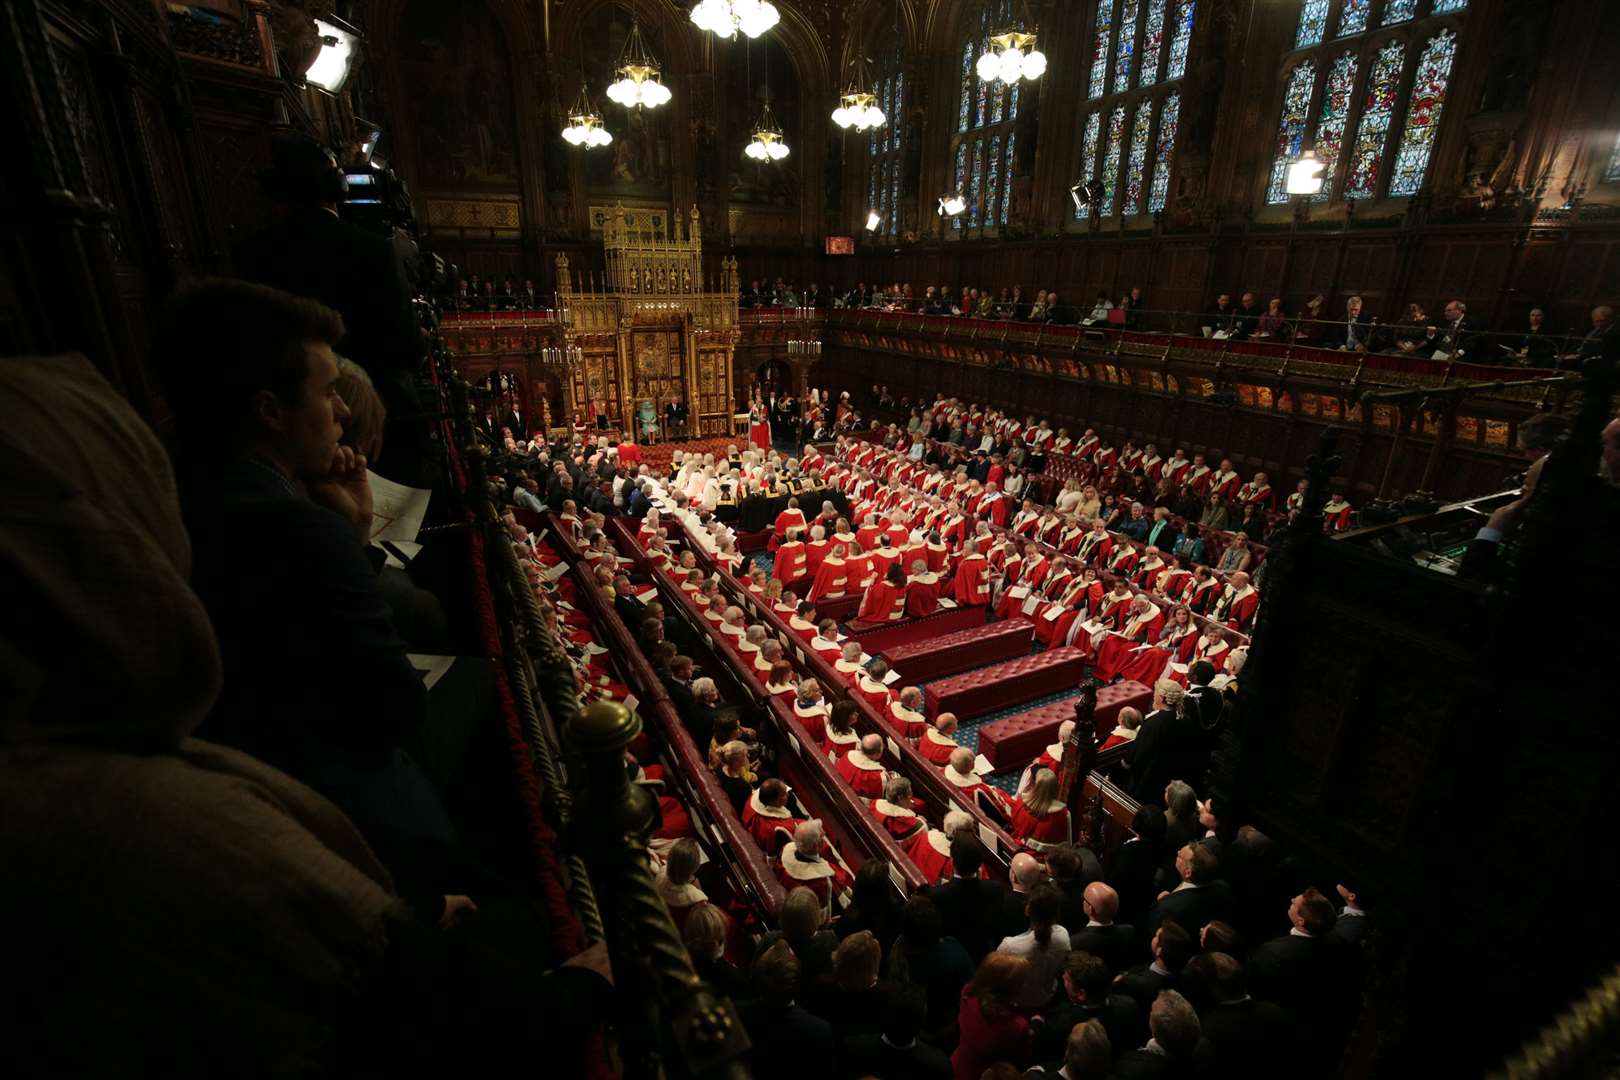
818 709
939 842
767 811
804 869
857 757
971 780
934 736
888 809
1055 751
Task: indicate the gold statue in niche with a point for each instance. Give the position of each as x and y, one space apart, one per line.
676 332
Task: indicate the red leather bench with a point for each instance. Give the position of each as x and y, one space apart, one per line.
974 693
1015 741
881 639
935 658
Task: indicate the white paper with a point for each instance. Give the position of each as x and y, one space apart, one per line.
1219 335
431 668
800 654
793 743
898 878
1018 592
593 649
982 766
1179 669
1031 604
631 701
555 572
1053 613
1440 354
987 837
648 595
946 602
1092 627
396 510
894 747
891 678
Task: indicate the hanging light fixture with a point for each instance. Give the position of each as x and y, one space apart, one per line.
727 17
585 125
640 82
767 144
952 204
873 220
1012 56
1305 175
858 109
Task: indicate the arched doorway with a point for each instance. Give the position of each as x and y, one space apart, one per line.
774 376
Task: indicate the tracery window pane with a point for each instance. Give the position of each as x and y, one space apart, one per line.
1312 23
1169 116
1110 167
1006 194
1099 48
1136 164
1291 128
992 188
1125 47
1332 119
1353 17
1612 173
1088 157
976 185
1443 7
1012 100
1377 112
1423 113
998 102
968 76
1152 44
1180 39
1398 11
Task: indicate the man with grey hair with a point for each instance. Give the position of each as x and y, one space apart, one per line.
770 651
907 714
753 638
862 767
1199 898
1177 1044
808 862
930 849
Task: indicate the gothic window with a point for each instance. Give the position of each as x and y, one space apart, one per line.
1366 100
986 114
1139 55
885 145
1612 173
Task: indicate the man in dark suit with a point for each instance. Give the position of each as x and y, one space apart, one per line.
1073 869
1457 339
1249 1037
1178 1048
512 420
310 252
1087 986
1137 861
317 679
1171 947
1247 320
1199 898
1305 971
1354 331
896 1054
1537 347
788 1039
1024 870
968 905
1351 924
1166 747
629 609
1221 316
1098 933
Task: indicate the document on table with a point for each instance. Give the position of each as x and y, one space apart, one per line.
555 572
1030 604
982 766
1053 613
396 510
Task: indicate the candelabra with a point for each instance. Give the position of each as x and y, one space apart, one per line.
804 348
554 354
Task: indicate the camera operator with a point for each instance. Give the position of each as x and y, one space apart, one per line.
309 251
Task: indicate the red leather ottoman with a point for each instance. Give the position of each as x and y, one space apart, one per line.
838 607
935 658
974 693
1015 741
880 640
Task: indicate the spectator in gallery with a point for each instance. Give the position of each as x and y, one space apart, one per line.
1308 327
1271 324
1353 333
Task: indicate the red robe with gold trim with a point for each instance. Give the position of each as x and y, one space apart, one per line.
900 821
790 563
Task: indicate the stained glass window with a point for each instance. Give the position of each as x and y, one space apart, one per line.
1180 38
1125 46
1088 158
885 144
1136 164
1332 118
1006 189
1377 113
1169 115
1152 43
1353 17
1612 173
985 115
1423 114
1110 166
1445 7
1099 47
1398 11
1312 23
1291 129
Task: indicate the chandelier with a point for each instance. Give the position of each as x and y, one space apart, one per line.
639 78
767 144
1012 56
951 204
727 17
858 109
585 125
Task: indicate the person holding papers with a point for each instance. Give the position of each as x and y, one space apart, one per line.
1142 626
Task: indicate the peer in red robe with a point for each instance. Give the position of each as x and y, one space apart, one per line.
906 717
1039 819
1141 628
1055 621
762 819
863 772
832 577
789 566
972 581
939 741
885 599
871 687
1174 645
1237 605
922 594
815 872
901 822
791 518
992 504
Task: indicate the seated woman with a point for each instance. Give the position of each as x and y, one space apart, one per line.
1039 818
1174 645
677 884
897 810
885 600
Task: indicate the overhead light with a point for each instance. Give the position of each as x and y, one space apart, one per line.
951 205
366 136
639 83
858 109
585 125
873 220
1305 175
729 17
1085 192
1012 56
331 66
767 144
